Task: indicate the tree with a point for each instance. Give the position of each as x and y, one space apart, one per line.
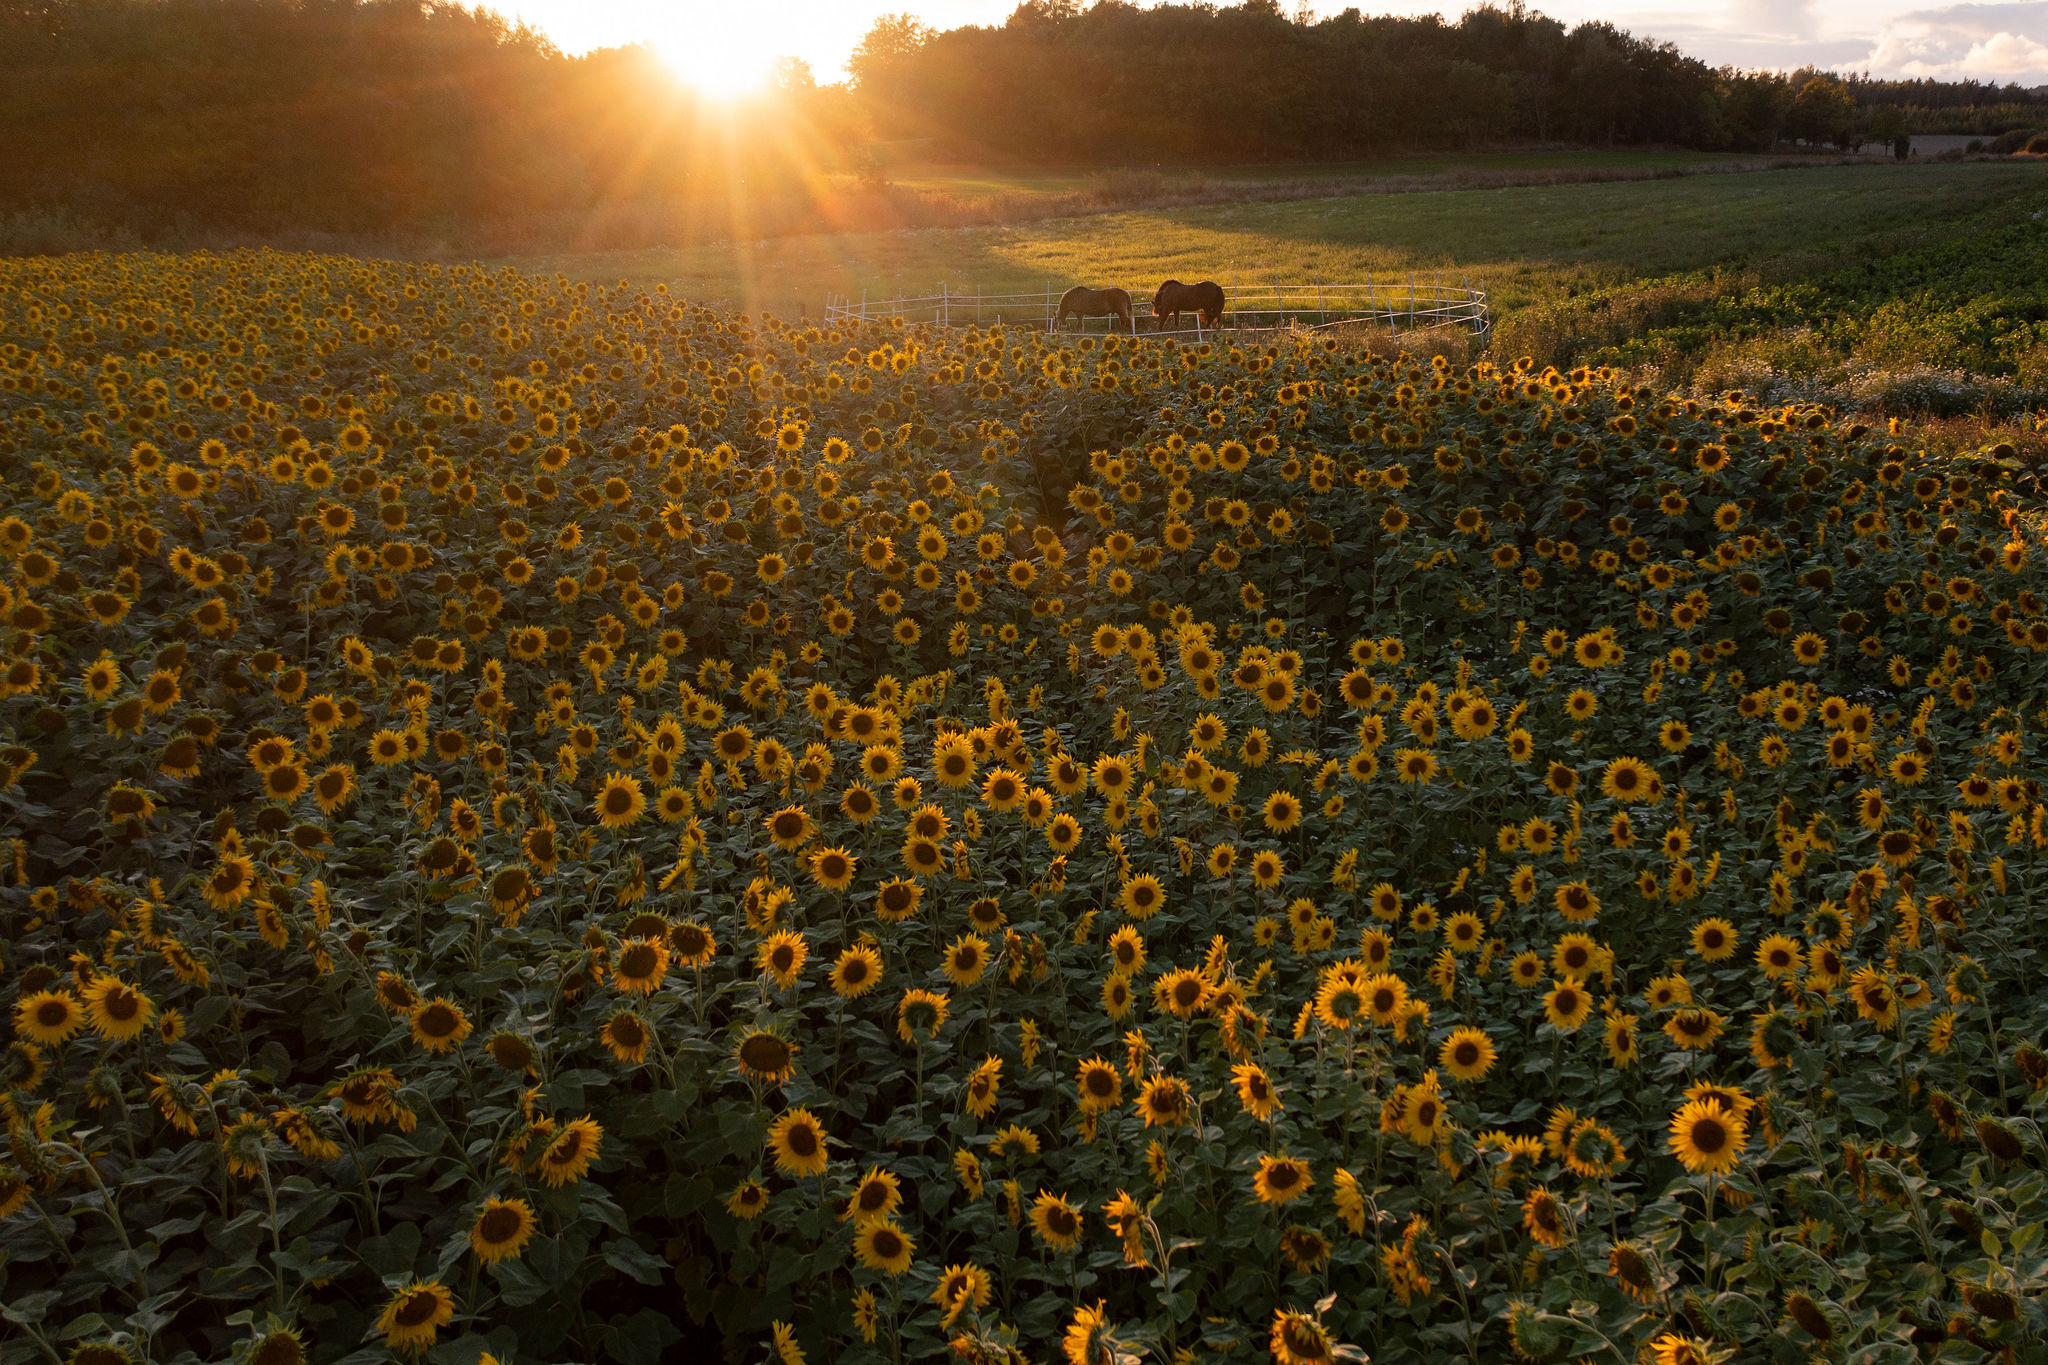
890 39
1823 111
792 76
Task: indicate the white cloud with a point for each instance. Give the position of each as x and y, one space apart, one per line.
2006 42
1773 18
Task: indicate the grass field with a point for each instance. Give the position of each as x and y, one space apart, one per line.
958 180
1523 244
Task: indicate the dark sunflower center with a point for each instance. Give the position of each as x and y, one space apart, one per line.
500 1224
765 1053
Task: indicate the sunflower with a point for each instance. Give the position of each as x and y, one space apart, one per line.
1628 779
116 1010
691 945
642 965
1298 1339
627 1035
881 1245
439 1025
231 881
1592 1151
782 955
568 1156
1464 931
920 1011
1282 812
896 900
414 1316
1707 1138
278 1346
1181 993
1576 902
923 856
502 1230
1566 1005
833 868
1339 1002
1619 1035
876 1195
748 1201
1424 1117
966 959
1693 1028
858 970
1099 1085
1631 1269
1063 833
1714 939
1467 1054
789 827
47 1018
1255 1090
1142 896
1305 1249
1385 995
1267 868
1875 999
1281 1178
1673 1349
1544 1218
1056 1222
619 801
1164 1101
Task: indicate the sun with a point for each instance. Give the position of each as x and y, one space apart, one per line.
719 55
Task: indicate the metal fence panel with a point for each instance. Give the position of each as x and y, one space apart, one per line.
1411 307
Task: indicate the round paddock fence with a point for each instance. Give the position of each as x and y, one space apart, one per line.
1397 305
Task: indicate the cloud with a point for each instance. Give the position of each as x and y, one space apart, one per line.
2007 42
1772 18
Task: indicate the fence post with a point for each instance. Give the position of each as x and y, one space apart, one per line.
945 312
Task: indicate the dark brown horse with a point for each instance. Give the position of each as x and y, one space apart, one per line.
1095 303
1204 300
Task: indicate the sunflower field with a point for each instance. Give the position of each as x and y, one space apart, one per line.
540 822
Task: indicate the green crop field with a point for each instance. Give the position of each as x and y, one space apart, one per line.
1525 243
958 180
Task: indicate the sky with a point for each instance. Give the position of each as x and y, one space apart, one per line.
729 44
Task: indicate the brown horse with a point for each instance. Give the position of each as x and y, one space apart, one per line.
1095 303
1204 300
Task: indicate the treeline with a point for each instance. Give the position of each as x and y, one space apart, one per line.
1246 82
361 120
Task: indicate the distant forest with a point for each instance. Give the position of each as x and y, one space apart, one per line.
157 120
